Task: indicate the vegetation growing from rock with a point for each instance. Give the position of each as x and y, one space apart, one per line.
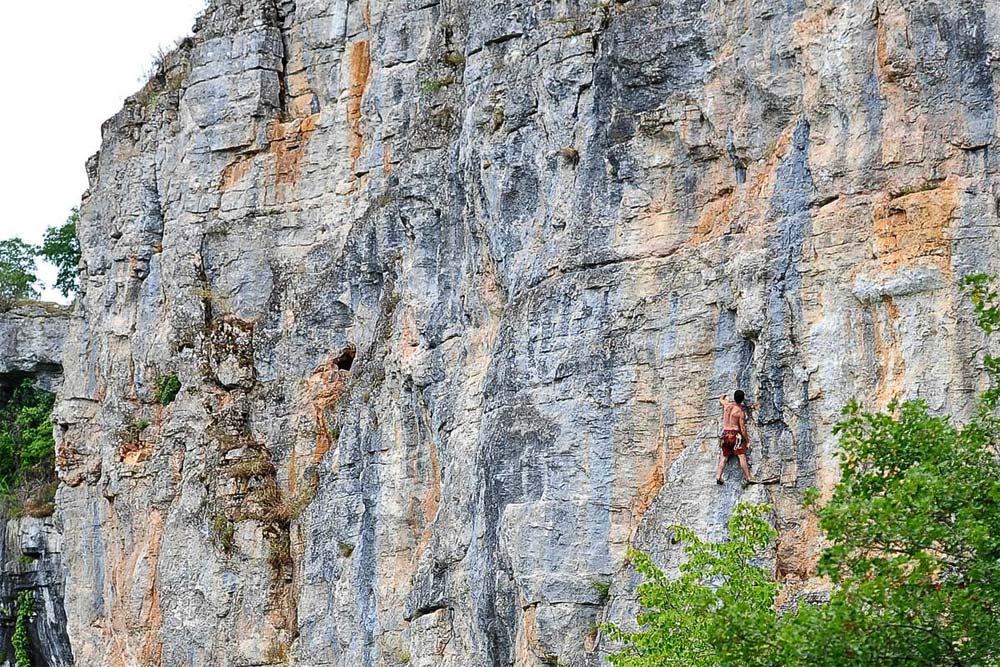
167 388
18 279
20 640
913 528
61 248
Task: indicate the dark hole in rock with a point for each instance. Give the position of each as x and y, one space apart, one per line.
346 358
741 174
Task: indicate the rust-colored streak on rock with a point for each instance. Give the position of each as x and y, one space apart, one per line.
430 504
136 630
432 500
667 451
528 650
134 452
386 159
360 70
366 13
286 145
152 648
646 494
914 229
714 219
324 388
288 142
235 172
889 353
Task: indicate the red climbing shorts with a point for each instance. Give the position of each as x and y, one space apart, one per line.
732 443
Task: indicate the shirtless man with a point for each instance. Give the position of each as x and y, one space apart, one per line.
735 439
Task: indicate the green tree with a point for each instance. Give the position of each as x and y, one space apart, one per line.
27 448
61 247
17 272
913 528
719 611
914 531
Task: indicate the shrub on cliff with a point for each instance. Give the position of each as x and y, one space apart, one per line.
17 272
167 388
61 248
913 528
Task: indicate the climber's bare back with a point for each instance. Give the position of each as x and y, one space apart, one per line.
733 417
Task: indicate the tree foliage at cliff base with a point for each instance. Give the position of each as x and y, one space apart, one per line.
913 528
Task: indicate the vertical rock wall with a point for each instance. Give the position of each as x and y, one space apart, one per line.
32 336
451 289
31 553
31 342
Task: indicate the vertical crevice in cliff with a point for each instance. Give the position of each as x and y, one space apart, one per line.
785 418
285 12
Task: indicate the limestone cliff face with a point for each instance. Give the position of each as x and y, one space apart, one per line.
32 335
451 289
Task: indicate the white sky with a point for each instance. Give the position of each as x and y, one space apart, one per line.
65 67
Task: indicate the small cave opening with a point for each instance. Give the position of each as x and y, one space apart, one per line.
739 163
345 359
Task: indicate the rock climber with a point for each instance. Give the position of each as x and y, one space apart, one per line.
734 438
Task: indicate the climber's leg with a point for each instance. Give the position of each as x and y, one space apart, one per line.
745 466
727 442
722 466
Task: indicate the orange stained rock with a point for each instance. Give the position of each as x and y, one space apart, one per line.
914 228
432 499
235 172
135 632
324 388
366 13
286 146
386 159
646 494
714 218
360 70
528 650
430 503
288 141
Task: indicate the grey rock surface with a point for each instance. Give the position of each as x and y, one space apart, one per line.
31 553
451 289
32 335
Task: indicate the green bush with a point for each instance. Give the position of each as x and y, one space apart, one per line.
42 502
225 532
689 621
167 388
602 589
